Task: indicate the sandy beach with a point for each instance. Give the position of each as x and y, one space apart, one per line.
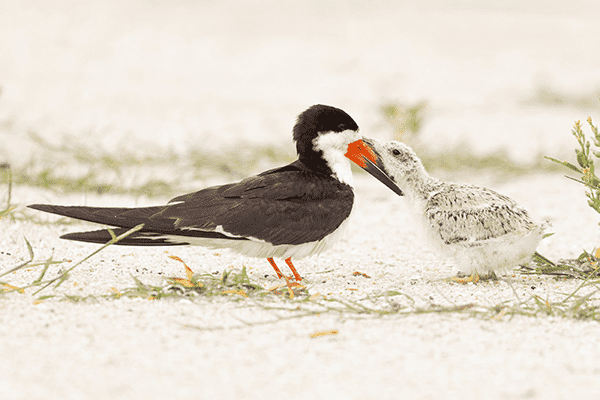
232 347
146 78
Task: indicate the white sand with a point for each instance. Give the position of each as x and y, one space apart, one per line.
137 348
120 74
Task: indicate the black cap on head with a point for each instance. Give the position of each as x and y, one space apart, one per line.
314 120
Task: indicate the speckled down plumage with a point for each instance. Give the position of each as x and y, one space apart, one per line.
482 230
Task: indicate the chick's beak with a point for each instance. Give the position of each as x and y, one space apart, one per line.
368 159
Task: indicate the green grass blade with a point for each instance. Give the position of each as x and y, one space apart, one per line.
565 163
18 267
61 278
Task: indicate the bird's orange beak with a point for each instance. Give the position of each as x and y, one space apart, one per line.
367 158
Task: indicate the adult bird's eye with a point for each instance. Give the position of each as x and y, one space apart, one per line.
396 152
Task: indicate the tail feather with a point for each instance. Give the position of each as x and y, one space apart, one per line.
115 216
135 239
157 231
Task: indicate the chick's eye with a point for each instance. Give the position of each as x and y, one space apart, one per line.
396 152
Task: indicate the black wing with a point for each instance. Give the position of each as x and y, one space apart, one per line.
286 205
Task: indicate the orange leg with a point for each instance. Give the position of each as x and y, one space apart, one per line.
272 262
288 261
290 285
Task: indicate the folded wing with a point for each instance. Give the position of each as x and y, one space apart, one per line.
281 206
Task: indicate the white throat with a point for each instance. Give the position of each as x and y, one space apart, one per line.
334 146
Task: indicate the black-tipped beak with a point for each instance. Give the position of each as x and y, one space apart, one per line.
366 157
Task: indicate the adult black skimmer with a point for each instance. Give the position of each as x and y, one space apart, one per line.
297 210
484 231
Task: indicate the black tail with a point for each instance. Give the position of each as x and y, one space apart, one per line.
115 216
140 238
157 231
153 233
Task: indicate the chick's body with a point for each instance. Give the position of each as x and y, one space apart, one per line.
482 230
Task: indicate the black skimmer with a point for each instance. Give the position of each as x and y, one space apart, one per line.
482 230
297 210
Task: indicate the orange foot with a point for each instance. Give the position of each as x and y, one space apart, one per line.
290 287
